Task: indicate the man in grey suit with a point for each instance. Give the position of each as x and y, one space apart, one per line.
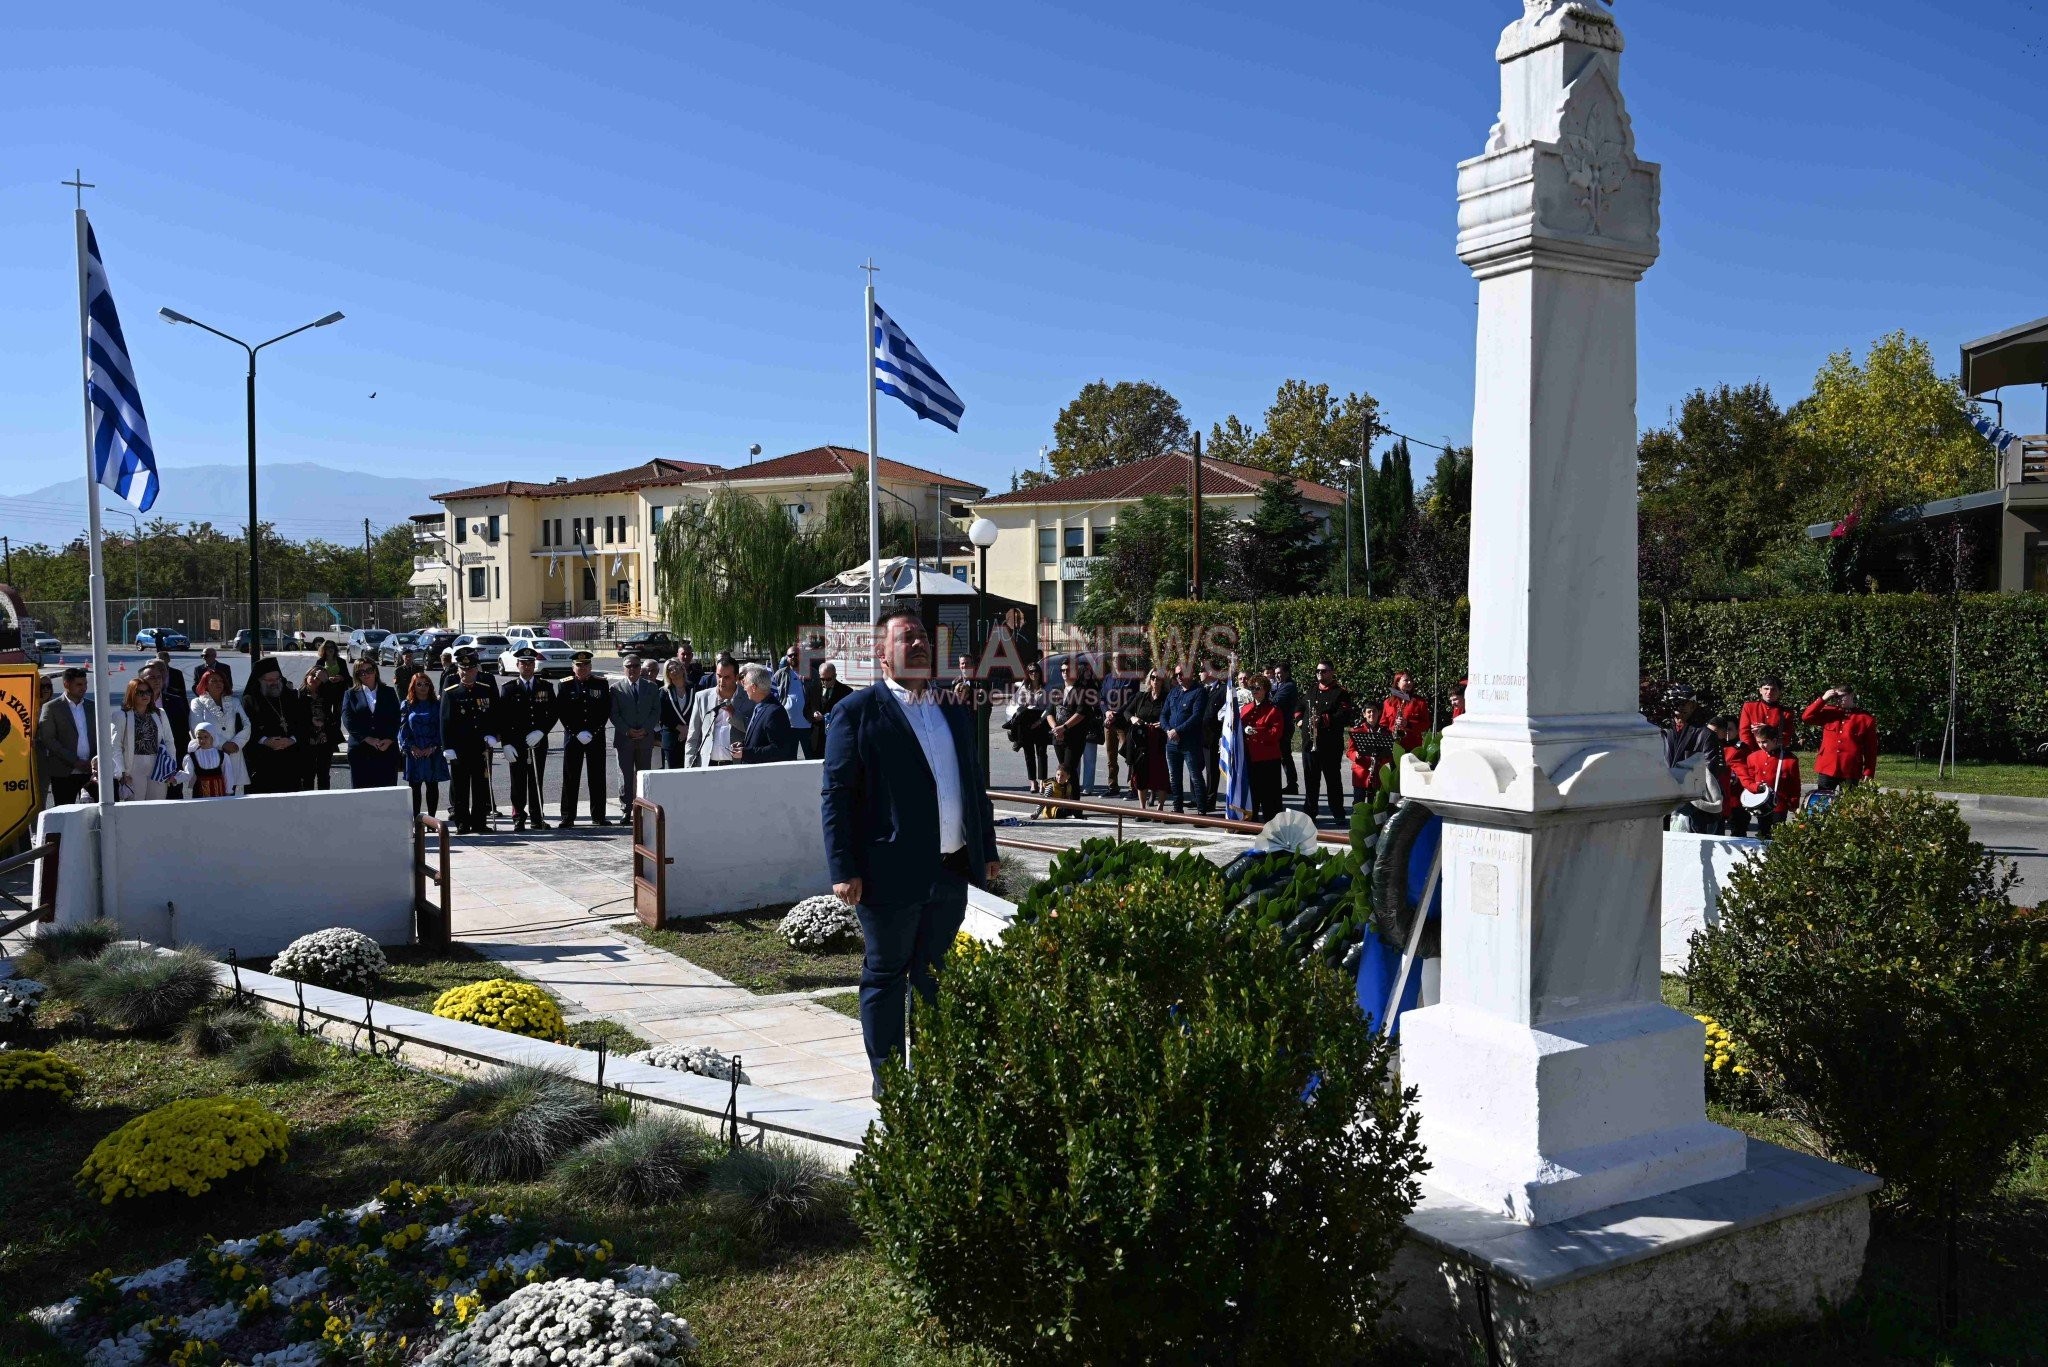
67 739
718 717
636 722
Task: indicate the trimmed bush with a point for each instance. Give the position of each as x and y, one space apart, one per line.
503 1004
218 1029
340 958
1870 963
32 1082
511 1125
777 1191
1893 647
1137 1134
185 1146
651 1162
144 991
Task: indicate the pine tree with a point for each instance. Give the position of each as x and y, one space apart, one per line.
1282 551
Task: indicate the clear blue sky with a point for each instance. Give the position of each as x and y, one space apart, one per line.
570 237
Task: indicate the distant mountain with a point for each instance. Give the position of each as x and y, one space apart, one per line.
302 500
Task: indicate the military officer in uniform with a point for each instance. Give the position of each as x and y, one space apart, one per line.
469 721
584 703
526 713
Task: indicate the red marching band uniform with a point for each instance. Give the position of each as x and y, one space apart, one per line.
1848 741
1406 720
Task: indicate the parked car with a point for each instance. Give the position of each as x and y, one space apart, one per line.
430 644
554 659
363 643
489 646
269 640
525 633
649 645
46 649
151 638
387 650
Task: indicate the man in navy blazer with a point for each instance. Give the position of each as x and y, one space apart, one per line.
908 825
769 739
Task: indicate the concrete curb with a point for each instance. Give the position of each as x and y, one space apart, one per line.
1998 802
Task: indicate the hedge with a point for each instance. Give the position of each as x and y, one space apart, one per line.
1893 648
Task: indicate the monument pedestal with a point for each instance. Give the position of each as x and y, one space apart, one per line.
1638 1283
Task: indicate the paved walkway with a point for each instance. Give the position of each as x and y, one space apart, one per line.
544 905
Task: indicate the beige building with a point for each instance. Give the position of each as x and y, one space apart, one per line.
1049 537
519 552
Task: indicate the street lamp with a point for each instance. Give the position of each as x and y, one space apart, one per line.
135 551
983 534
255 586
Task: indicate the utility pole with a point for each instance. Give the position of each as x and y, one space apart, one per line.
1195 497
7 551
369 574
1364 503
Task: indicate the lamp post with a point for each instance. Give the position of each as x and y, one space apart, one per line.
135 552
983 534
255 586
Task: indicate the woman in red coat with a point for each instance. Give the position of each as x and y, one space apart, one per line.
1263 727
1848 740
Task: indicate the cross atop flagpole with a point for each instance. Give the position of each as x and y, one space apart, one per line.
867 375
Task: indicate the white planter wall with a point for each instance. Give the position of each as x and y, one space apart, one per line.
741 836
1696 868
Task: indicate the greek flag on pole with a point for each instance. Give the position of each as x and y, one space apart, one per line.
902 370
1233 771
122 456
1999 438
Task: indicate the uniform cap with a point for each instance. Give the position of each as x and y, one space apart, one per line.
465 656
526 653
582 657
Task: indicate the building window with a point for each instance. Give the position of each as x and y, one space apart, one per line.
608 538
654 518
492 529
1048 601
1072 592
461 530
1077 544
589 585
1098 536
796 513
2035 568
546 533
558 531
479 583
1048 545
497 582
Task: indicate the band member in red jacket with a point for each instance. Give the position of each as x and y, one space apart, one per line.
1729 763
1848 739
1264 725
1405 714
1765 710
1773 769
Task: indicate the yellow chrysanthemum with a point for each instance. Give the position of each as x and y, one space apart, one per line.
519 1008
185 1146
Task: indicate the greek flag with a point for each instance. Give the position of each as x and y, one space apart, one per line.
162 771
902 370
2000 439
1233 770
122 457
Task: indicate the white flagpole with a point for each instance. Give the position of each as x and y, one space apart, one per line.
104 715
874 469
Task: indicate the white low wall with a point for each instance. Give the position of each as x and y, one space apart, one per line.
741 836
250 874
1696 868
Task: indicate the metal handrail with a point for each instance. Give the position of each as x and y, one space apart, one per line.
45 908
1120 811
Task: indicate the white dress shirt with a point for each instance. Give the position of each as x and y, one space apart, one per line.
721 730
935 738
83 728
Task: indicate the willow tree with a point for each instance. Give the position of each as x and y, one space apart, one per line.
729 570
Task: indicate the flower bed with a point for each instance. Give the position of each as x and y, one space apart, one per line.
340 958
185 1146
384 1283
503 1004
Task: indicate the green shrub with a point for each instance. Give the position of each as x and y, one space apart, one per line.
266 1056
777 1191
67 944
144 991
511 1125
653 1161
1878 642
1136 1134
1871 964
218 1029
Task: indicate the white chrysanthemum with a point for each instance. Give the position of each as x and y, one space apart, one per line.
339 958
571 1323
691 1058
298 1355
18 999
818 923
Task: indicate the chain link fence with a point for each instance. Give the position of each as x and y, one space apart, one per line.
216 620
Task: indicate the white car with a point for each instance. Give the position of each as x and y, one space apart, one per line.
534 634
488 645
555 656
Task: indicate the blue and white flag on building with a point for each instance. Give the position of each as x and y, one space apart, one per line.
123 459
1233 770
902 370
2002 441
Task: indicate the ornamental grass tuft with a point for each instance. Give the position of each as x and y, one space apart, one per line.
776 1191
652 1161
511 1125
1136 1132
144 991
269 1055
67 944
218 1028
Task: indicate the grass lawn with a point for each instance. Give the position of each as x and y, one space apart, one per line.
2004 1274
845 1003
418 977
1968 776
744 948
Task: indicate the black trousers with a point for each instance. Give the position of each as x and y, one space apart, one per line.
433 798
1265 781
469 789
528 774
580 764
904 946
1212 770
65 791
1326 764
1287 760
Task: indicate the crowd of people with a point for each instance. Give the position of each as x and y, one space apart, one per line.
277 735
1754 781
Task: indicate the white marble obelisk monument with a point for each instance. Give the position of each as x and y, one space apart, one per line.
1553 1081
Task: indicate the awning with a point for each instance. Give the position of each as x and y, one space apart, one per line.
2016 356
